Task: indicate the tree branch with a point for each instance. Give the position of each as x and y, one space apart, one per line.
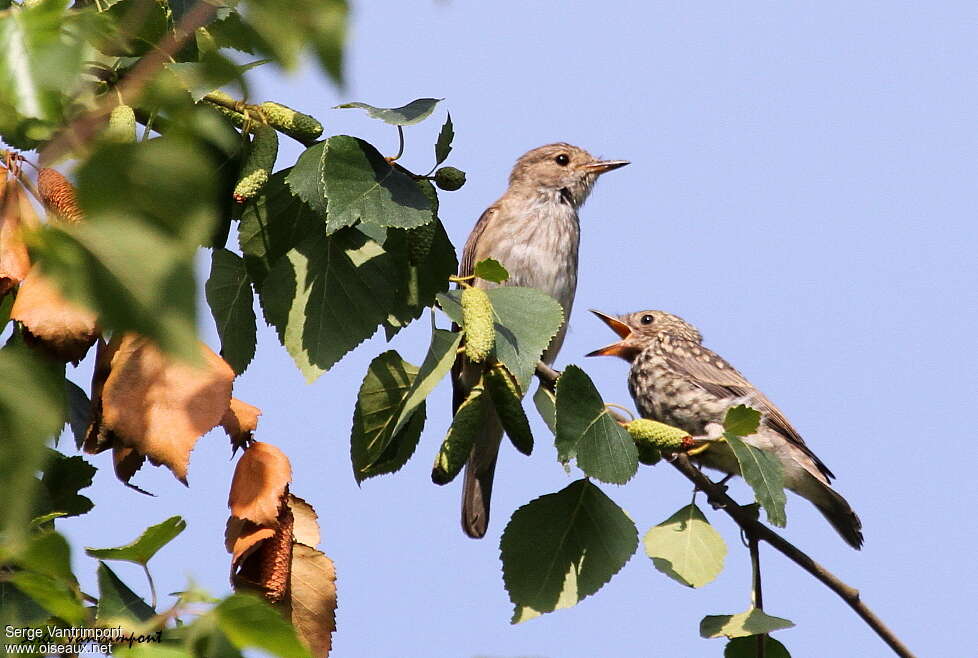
756 530
82 129
752 526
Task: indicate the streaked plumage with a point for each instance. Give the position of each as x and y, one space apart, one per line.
675 380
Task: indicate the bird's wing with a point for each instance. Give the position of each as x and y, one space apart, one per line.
459 390
471 245
713 374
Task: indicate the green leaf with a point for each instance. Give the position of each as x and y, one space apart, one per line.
79 411
273 223
63 477
407 115
564 546
53 594
326 296
444 144
437 363
32 403
155 199
546 404
526 320
135 28
491 269
763 472
587 431
211 72
375 448
145 547
360 185
231 300
752 622
116 600
249 622
287 29
48 554
469 421
305 179
426 258
43 52
741 420
746 647
686 548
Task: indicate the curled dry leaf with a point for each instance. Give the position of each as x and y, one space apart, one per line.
58 194
51 323
160 406
14 260
262 557
240 422
312 598
260 480
242 537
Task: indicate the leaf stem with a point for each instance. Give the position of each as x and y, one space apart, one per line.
400 145
152 585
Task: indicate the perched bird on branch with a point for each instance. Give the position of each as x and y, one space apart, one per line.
534 231
675 380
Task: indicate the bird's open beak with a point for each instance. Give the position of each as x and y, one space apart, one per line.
620 328
605 165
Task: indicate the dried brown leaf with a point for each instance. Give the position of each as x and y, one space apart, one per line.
15 263
240 422
161 406
58 194
242 537
306 528
312 598
51 323
260 479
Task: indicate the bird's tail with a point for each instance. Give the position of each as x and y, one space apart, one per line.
479 472
838 512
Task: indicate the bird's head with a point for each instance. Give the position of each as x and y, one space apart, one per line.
561 169
637 330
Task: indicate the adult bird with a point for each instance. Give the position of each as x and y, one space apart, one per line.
675 380
534 231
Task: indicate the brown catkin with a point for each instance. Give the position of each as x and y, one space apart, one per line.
58 195
276 556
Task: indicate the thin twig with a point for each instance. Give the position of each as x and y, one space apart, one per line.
82 129
757 530
752 526
757 596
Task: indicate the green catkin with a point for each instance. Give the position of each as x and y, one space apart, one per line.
477 321
449 178
122 125
295 124
506 398
454 450
258 166
657 435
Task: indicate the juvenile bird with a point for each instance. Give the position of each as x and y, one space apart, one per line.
534 231
675 380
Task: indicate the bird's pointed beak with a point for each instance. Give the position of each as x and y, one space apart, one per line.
601 166
620 328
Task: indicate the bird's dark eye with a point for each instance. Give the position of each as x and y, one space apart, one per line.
647 319
562 159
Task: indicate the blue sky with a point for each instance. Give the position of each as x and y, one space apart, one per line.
801 189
